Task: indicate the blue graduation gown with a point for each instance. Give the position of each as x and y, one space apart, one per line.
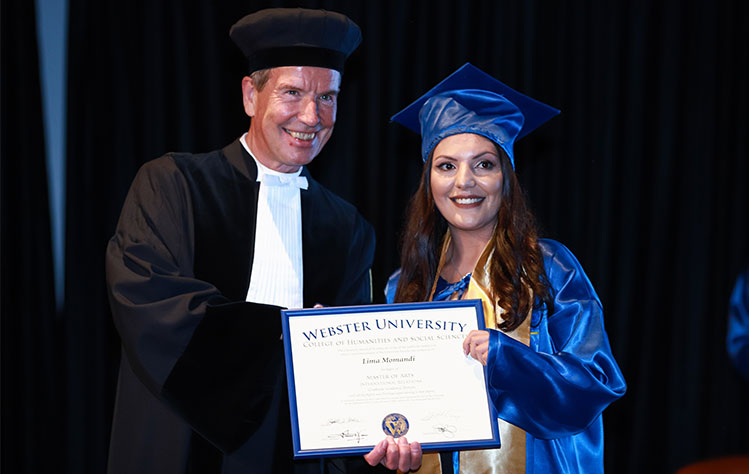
556 389
737 338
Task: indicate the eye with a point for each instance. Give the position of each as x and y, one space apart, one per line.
486 162
292 92
445 166
327 98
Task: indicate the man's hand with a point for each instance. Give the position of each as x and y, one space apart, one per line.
395 454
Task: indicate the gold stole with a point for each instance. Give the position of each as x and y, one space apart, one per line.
510 458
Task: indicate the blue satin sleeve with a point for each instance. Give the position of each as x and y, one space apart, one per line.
391 286
737 340
560 384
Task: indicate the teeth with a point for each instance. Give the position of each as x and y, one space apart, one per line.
300 135
467 200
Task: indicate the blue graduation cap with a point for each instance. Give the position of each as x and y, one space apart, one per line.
471 101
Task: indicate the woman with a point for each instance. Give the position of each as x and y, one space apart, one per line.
469 235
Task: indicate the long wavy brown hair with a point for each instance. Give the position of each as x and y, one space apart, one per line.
519 281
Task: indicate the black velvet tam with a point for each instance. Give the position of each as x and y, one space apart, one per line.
277 37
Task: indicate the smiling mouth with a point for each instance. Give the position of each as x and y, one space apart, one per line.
300 135
467 201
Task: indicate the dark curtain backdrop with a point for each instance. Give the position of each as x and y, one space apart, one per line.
32 410
643 176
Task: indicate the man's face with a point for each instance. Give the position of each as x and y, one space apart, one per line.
292 116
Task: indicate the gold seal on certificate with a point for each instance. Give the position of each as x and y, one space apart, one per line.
359 373
395 425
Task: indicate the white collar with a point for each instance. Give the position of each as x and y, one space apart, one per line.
264 170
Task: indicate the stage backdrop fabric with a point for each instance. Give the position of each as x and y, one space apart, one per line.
643 176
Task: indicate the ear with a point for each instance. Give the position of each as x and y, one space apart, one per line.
249 96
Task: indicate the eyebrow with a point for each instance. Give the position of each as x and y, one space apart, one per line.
330 92
288 85
450 157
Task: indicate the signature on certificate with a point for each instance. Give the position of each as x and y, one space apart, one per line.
448 431
341 421
349 436
432 416
442 423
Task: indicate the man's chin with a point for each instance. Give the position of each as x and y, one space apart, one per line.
302 157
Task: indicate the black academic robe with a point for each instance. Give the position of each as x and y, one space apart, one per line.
202 379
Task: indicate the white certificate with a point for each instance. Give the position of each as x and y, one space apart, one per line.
357 374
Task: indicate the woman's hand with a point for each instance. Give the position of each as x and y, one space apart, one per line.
476 344
395 454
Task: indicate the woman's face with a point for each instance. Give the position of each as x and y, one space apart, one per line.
466 182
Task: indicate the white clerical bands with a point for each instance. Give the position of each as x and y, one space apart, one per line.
276 180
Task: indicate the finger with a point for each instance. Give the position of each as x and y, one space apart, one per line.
467 342
477 353
404 455
415 455
474 352
482 357
391 457
484 350
374 457
481 346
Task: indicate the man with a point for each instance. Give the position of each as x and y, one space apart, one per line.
207 250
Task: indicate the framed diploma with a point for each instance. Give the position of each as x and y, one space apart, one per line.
359 373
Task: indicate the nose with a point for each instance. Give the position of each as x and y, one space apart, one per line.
464 177
308 114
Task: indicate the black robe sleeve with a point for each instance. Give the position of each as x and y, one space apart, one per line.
178 268
169 320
